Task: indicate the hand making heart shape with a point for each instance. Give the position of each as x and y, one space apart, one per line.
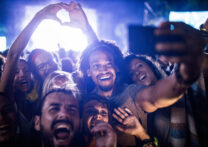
76 16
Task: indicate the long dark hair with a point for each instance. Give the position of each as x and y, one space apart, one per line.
154 65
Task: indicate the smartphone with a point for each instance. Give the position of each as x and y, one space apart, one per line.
142 41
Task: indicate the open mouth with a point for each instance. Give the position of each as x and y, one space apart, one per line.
104 77
24 83
62 131
141 77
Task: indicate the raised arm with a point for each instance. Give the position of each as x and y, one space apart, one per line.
49 12
167 91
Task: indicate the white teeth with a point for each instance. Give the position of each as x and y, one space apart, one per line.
142 77
63 126
104 77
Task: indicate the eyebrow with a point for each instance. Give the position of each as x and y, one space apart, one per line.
70 105
96 60
74 106
54 104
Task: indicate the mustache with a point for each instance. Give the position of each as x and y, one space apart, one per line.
62 121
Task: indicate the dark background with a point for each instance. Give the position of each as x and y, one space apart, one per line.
112 14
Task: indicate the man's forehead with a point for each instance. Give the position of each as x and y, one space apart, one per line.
61 98
100 55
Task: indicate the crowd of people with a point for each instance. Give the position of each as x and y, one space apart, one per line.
107 98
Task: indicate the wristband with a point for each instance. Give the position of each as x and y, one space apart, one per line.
152 142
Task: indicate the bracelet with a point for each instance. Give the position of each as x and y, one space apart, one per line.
152 142
180 79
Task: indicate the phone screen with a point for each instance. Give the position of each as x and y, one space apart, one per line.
142 41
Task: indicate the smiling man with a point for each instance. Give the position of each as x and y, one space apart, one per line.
58 118
100 64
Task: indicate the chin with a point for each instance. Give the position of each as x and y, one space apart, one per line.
62 143
106 88
25 90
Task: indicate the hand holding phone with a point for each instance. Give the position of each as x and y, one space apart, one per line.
143 40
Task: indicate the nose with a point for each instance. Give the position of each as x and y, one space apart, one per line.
63 114
98 117
137 71
21 73
103 68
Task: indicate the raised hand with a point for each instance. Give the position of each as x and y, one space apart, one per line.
50 11
77 16
104 135
128 123
192 45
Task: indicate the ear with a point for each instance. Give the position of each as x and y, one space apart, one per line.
88 73
37 123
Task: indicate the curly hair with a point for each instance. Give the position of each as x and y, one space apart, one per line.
105 46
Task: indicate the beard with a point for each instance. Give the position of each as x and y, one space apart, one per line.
105 88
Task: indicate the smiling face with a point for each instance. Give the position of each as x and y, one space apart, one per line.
44 64
59 121
94 111
141 73
102 70
22 80
8 120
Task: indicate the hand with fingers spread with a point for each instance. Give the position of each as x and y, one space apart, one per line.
104 134
192 42
129 124
191 46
